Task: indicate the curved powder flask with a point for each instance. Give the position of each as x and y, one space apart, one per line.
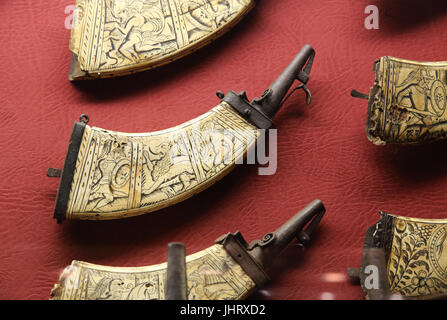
404 258
230 269
110 175
113 38
407 103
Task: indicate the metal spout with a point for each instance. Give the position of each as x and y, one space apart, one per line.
264 251
299 69
176 282
260 111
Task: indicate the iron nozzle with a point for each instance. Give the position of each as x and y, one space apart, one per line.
261 111
300 226
299 69
176 282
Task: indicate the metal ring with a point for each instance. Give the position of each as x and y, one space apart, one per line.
268 238
84 118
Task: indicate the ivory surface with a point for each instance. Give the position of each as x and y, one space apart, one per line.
417 264
120 175
212 275
407 102
118 37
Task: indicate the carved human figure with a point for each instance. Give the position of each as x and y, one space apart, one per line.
199 18
136 28
419 82
216 147
109 173
165 169
209 283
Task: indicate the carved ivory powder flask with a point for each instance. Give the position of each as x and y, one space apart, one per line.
109 175
230 269
407 103
117 37
407 256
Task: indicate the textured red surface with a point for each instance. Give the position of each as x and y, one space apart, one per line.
323 151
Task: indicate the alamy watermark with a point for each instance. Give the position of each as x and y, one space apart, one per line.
211 148
70 12
372 20
372 279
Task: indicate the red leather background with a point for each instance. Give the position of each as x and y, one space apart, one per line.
323 151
